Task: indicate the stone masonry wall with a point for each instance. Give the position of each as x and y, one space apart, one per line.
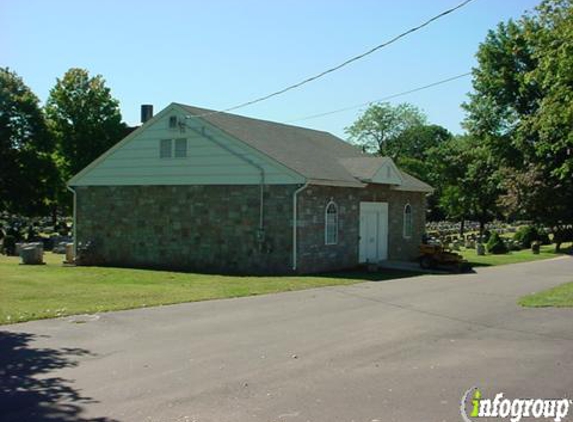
315 256
205 228
214 228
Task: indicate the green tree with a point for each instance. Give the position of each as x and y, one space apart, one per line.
85 119
27 172
378 130
533 194
417 140
417 144
551 122
521 109
469 185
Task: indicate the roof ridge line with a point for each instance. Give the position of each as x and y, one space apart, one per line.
251 118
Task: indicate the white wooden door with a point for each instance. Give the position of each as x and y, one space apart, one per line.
373 245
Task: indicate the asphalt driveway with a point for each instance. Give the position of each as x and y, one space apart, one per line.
402 350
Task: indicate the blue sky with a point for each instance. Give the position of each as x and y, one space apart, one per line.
219 53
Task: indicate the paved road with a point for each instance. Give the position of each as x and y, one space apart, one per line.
401 350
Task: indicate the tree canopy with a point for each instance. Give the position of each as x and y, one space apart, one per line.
84 117
379 129
521 110
27 171
467 179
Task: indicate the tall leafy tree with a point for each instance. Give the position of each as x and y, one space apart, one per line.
417 140
551 123
503 94
469 180
418 146
379 129
522 111
27 172
85 119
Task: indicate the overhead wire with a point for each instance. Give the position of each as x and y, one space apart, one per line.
343 64
389 97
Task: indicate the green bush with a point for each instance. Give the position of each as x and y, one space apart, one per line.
526 235
496 245
9 245
486 235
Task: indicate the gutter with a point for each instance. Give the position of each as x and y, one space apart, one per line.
74 228
295 224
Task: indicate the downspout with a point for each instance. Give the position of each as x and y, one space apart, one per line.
261 170
74 228
295 224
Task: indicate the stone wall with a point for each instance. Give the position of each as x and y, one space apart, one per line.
315 256
205 228
214 228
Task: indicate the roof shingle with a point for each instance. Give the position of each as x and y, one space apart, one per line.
319 156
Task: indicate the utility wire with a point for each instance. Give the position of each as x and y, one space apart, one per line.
343 64
443 81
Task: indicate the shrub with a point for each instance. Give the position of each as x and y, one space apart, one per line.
486 236
528 234
9 245
496 245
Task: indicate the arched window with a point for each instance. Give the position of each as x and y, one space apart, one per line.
408 222
331 224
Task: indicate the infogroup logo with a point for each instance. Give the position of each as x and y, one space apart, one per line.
474 405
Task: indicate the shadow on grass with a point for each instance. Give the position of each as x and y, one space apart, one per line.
357 273
28 393
363 274
480 264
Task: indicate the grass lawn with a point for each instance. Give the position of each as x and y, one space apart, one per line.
547 251
48 291
558 297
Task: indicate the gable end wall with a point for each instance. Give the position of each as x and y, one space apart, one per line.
212 158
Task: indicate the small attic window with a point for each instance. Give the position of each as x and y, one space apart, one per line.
172 122
165 148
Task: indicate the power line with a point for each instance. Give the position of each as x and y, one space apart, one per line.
343 64
389 97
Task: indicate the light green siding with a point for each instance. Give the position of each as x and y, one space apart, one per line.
136 161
